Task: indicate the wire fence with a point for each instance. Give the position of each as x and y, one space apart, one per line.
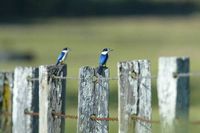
134 76
114 119
111 119
95 118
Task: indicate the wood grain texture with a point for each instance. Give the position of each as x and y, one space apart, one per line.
93 100
25 97
52 98
6 87
173 94
134 96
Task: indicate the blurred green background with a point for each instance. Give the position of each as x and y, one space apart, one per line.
133 34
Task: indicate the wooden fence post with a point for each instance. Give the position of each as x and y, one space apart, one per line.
52 90
134 96
6 87
173 94
25 98
93 101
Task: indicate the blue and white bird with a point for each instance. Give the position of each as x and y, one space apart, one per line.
62 57
103 59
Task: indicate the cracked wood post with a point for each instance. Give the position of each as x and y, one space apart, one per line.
52 92
173 94
6 87
134 96
93 100
25 98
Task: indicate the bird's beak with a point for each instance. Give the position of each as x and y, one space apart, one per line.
69 49
110 50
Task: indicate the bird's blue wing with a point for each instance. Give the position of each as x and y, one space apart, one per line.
60 57
103 59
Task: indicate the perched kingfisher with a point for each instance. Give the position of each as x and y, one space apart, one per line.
62 56
103 59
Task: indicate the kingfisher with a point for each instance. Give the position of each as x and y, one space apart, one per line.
103 59
62 56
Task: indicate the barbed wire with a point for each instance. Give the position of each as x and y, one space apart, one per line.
175 75
145 120
196 122
95 78
192 74
94 118
113 119
55 114
31 113
5 113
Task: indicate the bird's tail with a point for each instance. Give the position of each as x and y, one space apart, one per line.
57 63
100 69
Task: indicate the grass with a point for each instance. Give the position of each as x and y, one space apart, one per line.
131 38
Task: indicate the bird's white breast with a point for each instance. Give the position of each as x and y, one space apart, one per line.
104 52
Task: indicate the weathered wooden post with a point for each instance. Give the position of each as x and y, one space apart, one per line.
173 94
9 78
52 90
6 87
134 96
25 98
93 101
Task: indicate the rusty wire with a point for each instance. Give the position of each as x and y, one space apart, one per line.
55 114
113 119
94 118
26 112
145 120
175 75
195 122
5 113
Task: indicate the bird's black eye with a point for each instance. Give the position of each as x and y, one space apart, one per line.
105 49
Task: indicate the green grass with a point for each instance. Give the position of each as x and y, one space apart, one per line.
131 38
